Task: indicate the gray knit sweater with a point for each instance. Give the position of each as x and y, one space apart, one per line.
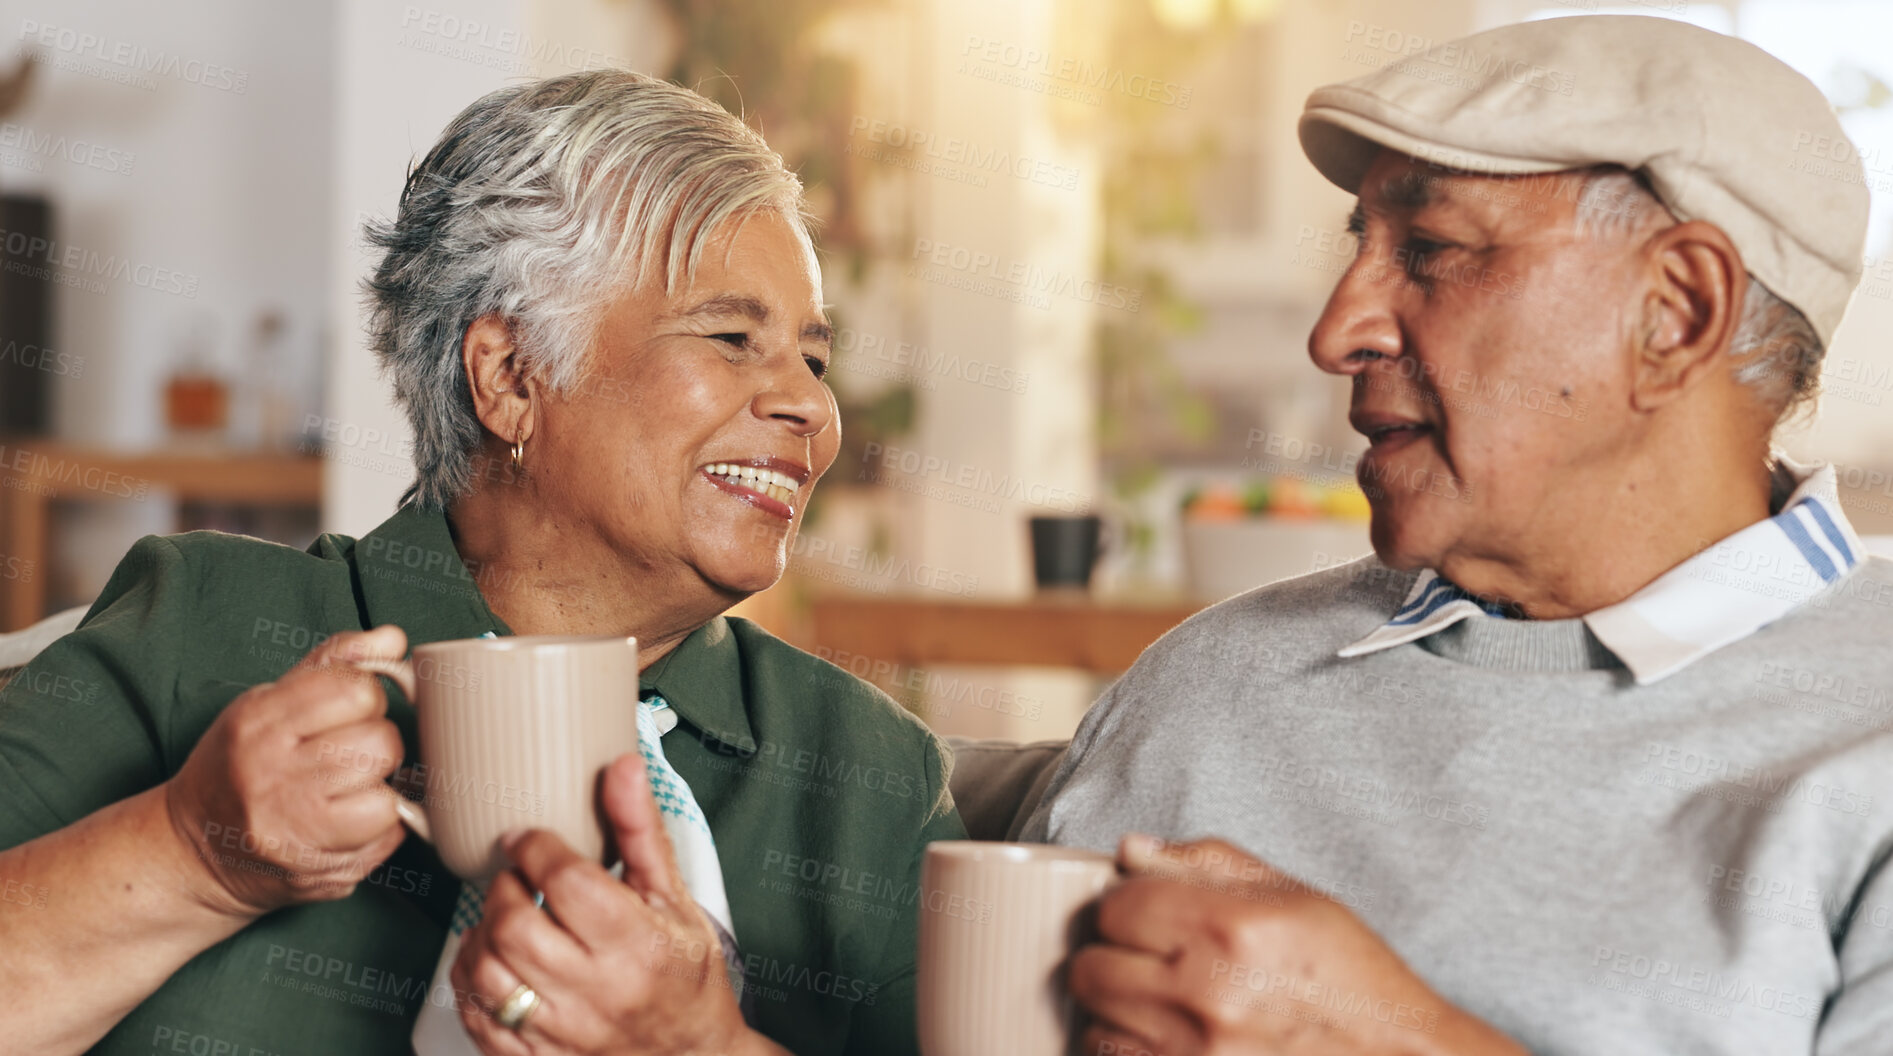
1700 865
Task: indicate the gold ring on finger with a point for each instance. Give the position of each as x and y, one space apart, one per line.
517 1008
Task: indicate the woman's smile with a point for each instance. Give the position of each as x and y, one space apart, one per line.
768 484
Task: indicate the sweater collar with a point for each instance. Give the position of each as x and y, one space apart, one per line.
1720 595
702 679
410 574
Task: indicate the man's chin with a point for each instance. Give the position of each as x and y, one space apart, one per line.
1398 540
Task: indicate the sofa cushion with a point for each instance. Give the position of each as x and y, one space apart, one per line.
997 783
20 646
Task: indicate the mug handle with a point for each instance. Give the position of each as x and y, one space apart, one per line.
401 673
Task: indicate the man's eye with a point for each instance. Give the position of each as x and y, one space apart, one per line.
738 340
1419 250
816 366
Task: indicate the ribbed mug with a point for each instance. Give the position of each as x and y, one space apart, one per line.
997 922
514 735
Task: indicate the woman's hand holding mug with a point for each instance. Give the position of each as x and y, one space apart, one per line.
619 965
285 798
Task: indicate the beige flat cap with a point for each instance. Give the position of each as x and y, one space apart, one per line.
1725 132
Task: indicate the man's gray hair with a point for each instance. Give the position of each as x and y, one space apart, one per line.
1775 348
540 204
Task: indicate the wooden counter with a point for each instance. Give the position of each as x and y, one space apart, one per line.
1049 631
35 472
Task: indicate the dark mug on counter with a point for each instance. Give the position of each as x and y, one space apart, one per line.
1065 550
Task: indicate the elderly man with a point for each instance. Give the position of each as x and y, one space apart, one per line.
1591 756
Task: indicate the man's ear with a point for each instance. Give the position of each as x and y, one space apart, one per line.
1691 307
503 396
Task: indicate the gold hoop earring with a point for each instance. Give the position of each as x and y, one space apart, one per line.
519 451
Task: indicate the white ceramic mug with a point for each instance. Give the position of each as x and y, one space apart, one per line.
514 734
997 922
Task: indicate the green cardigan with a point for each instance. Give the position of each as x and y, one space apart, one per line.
820 790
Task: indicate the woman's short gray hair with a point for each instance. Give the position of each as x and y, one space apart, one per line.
1775 348
540 203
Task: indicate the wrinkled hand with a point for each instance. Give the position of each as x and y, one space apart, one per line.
283 799
620 966
1207 951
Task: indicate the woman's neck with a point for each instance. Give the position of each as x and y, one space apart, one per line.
543 579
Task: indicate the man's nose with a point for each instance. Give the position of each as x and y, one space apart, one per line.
1359 324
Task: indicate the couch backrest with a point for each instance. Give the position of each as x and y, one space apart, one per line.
997 783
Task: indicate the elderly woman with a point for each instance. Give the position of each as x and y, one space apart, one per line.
601 309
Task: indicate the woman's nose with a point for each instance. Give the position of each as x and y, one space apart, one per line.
1359 324
798 399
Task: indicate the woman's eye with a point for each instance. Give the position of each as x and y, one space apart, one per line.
738 340
816 366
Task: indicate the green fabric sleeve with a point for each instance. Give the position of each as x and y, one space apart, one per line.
85 724
886 1027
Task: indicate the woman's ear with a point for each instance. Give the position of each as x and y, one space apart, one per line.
503 395
1691 307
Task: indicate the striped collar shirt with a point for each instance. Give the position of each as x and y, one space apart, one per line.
1720 595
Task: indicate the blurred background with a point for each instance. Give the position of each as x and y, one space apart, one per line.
1072 248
